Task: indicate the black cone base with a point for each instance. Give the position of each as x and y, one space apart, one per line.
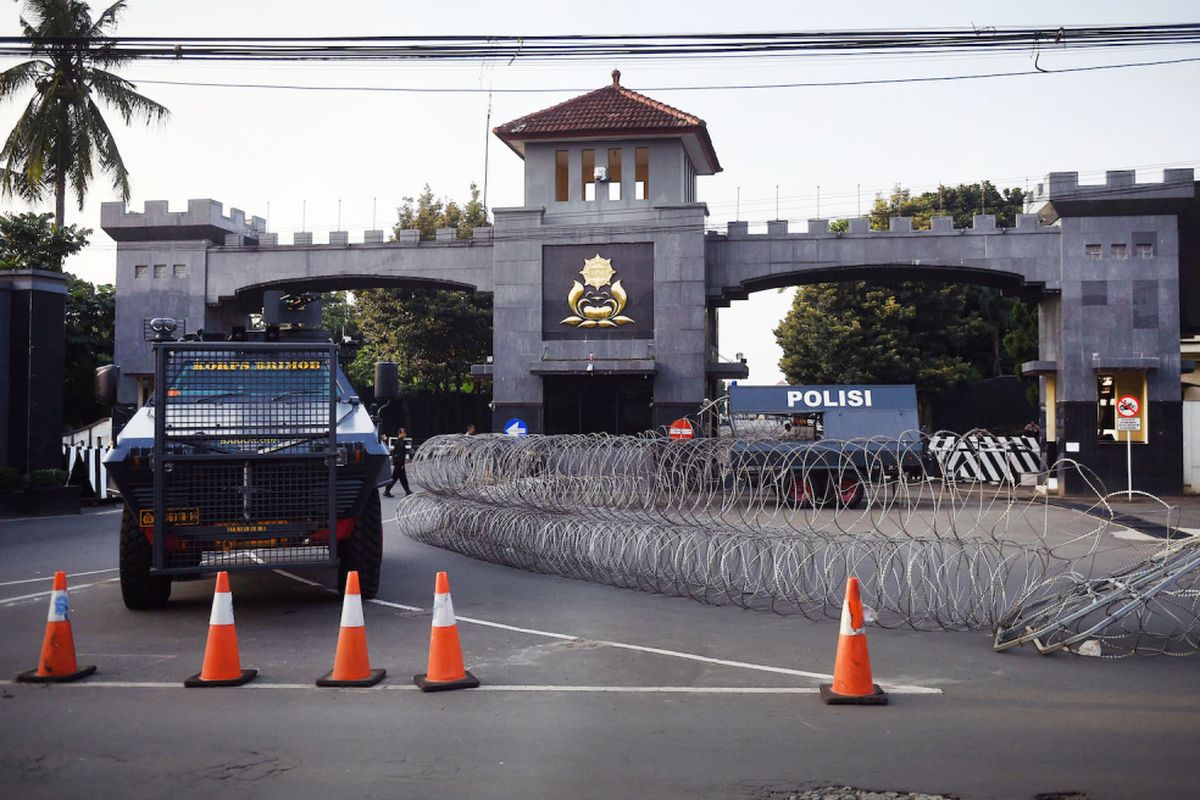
467 681
832 698
375 677
32 677
196 682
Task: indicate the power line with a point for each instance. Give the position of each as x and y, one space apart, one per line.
707 87
608 46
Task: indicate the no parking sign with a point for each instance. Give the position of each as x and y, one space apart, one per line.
1128 418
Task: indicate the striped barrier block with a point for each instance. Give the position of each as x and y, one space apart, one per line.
89 460
987 458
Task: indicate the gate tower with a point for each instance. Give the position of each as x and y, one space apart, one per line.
600 289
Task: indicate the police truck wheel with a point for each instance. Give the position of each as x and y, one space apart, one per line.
139 589
850 492
799 491
362 550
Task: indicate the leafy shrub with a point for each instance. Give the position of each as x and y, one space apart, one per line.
48 477
9 479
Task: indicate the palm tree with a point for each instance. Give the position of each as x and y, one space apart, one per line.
62 132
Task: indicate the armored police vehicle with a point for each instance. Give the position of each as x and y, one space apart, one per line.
819 445
255 453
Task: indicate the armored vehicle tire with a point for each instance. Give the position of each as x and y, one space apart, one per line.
362 550
139 589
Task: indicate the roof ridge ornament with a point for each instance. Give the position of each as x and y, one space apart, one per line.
616 76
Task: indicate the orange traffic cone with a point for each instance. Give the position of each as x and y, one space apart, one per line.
222 667
57 663
445 670
351 667
852 671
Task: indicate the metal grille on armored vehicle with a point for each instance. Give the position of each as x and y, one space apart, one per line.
253 455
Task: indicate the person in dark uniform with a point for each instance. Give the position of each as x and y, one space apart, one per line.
399 456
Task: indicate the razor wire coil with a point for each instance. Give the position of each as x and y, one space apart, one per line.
779 525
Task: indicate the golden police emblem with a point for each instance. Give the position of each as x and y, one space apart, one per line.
598 301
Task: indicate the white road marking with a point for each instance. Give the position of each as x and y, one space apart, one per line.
51 577
61 516
635 647
1129 534
8 601
548 634
398 517
528 688
390 604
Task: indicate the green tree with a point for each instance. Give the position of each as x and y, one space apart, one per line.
339 315
433 335
430 213
961 202
855 332
30 241
61 134
90 320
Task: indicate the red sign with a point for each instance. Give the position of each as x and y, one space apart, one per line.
681 429
1128 405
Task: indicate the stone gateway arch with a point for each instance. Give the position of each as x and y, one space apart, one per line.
606 284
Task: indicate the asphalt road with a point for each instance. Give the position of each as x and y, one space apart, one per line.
589 692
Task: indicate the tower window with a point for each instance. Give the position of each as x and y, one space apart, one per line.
614 173
1093 251
589 175
641 173
561 181
1145 251
1120 252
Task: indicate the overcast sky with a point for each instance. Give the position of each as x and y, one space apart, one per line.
271 152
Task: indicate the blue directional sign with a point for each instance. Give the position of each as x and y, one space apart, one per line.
516 427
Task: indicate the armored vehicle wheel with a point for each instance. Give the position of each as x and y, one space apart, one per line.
139 589
362 550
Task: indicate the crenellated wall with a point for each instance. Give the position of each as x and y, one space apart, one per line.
741 262
209 269
1104 261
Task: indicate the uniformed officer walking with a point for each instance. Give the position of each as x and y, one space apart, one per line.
399 456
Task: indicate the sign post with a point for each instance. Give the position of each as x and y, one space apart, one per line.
1128 420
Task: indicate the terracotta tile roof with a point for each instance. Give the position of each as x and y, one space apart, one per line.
613 107
613 110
